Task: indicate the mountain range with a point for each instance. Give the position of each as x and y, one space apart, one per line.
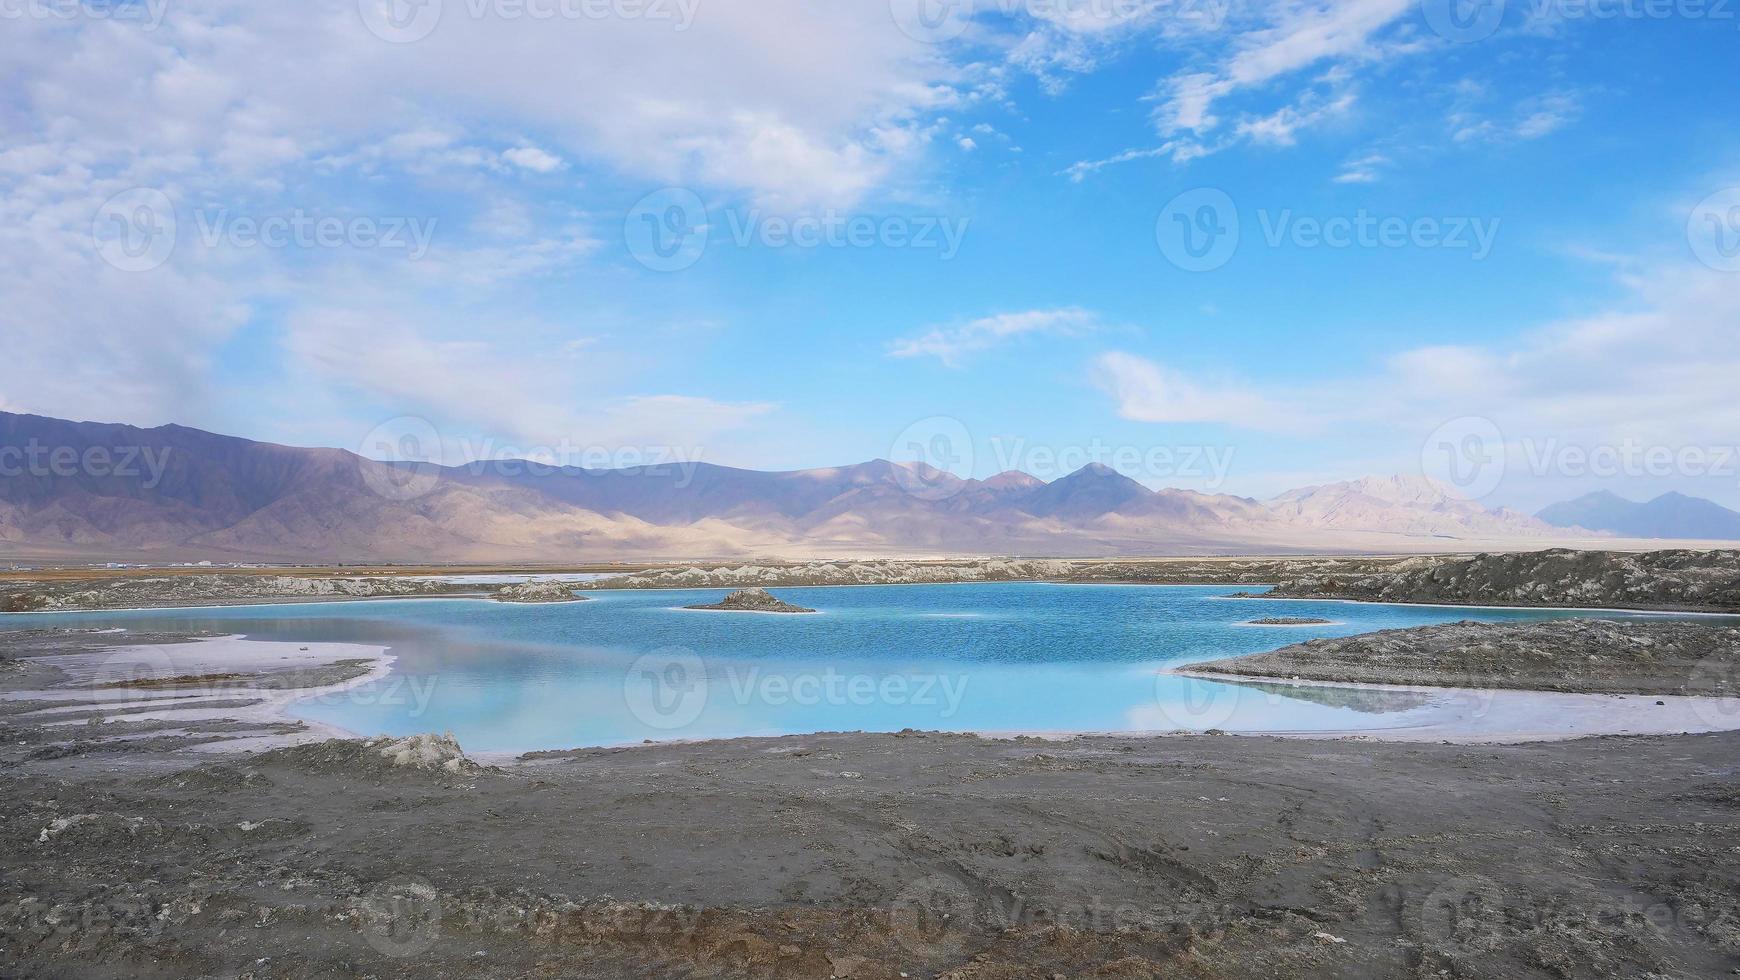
177 493
1671 515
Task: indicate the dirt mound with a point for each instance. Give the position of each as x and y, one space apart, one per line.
434 754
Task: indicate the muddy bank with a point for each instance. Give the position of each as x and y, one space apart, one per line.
872 856
1590 656
63 595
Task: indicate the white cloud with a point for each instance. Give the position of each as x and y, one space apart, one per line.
1365 170
724 101
1658 371
1529 119
501 384
951 345
262 109
1145 391
533 159
1297 37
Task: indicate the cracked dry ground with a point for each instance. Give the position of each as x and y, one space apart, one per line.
880 856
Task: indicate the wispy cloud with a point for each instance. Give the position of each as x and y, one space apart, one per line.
1147 391
1655 371
1365 170
952 345
1532 118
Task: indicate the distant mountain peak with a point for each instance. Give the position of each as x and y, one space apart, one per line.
1671 515
1014 480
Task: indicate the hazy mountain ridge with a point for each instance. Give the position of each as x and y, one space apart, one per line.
1671 515
194 492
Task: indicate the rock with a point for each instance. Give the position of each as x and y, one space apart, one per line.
424 752
753 600
538 592
1290 621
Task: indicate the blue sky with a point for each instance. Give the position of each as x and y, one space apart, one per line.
1547 285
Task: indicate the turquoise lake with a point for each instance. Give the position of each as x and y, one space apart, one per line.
995 658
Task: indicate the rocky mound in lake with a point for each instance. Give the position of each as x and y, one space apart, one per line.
538 592
1592 656
1290 621
753 600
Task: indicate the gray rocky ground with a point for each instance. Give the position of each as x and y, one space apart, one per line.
1593 656
148 591
1690 580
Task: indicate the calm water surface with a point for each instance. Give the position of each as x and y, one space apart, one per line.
1006 657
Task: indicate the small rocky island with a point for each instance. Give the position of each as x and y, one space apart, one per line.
538 592
1291 621
753 600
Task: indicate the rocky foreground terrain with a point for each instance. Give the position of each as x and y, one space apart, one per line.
880 856
1588 656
